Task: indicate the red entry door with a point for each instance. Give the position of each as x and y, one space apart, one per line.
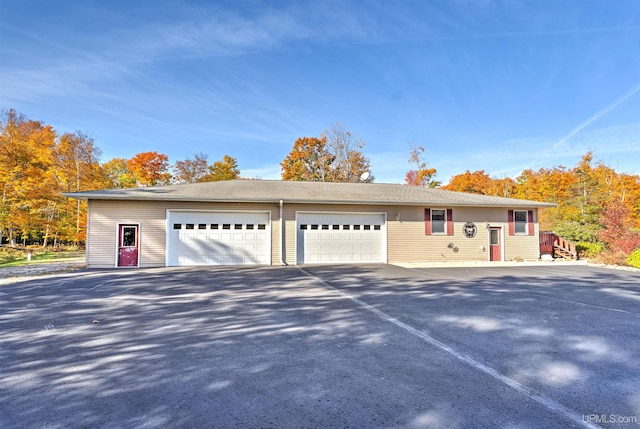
128 246
495 245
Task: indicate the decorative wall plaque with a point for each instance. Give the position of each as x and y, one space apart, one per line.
470 230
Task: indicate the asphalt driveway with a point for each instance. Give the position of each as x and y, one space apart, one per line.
369 346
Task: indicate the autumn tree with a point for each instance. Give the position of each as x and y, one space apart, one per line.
477 182
618 231
227 169
27 179
309 160
118 174
77 166
336 156
420 175
191 170
348 163
150 168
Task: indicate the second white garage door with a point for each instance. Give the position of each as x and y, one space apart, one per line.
218 238
340 237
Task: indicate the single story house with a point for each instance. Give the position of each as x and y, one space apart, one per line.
270 222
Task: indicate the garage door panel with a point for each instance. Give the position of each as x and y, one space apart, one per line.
218 238
340 237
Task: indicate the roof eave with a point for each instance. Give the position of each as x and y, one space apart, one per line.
89 196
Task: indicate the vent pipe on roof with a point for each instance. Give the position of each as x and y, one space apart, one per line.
282 261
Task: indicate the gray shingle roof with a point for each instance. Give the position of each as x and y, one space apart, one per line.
306 192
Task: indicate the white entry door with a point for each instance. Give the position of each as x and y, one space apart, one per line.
218 238
341 238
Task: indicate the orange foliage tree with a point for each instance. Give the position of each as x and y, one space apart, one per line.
477 182
336 156
26 175
150 168
308 160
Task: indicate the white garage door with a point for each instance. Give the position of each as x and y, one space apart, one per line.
218 238
341 237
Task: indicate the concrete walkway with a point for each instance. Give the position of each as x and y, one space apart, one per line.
476 264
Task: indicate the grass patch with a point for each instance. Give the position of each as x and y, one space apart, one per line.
10 257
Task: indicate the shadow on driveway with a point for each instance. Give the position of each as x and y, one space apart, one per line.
271 347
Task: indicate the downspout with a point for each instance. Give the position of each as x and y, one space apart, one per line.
282 262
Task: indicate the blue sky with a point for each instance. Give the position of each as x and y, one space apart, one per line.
486 85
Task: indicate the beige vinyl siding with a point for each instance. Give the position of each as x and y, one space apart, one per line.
409 243
104 216
522 246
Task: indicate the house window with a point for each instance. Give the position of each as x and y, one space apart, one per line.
438 221
520 221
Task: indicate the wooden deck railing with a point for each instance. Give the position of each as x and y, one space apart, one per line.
556 246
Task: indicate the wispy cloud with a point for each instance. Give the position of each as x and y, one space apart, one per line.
553 149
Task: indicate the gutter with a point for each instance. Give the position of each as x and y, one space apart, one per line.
282 261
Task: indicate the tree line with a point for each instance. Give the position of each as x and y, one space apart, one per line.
597 206
38 165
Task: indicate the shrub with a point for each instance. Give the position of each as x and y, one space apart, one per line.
589 250
634 259
10 254
612 258
577 232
